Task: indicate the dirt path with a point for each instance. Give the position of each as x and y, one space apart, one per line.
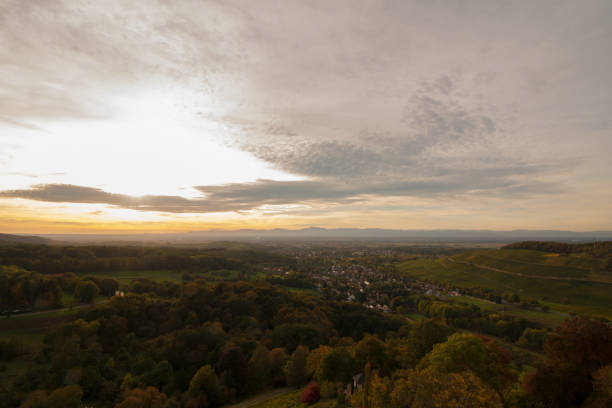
561 278
261 398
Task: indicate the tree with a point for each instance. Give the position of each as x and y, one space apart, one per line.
159 376
205 381
295 370
86 291
602 389
423 336
233 365
311 394
402 394
278 360
533 339
367 385
376 392
315 359
574 352
108 286
430 389
338 366
150 397
371 350
463 352
580 342
259 367
35 399
67 397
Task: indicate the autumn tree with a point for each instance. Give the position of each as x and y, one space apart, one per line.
295 371
86 291
315 359
35 399
233 368
371 350
67 397
338 366
533 339
108 286
278 360
205 381
149 397
423 336
602 389
431 389
258 369
574 352
159 376
463 352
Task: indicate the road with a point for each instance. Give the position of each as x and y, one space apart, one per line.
57 310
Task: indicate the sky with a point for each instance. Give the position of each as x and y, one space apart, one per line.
123 116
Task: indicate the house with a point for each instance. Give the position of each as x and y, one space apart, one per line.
357 385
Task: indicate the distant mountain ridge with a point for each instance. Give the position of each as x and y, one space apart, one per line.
6 239
344 234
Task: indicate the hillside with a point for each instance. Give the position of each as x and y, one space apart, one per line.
8 239
574 282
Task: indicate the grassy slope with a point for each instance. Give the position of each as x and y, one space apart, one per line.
269 398
585 297
533 262
552 318
125 277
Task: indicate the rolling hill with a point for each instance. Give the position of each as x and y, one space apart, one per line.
575 281
8 239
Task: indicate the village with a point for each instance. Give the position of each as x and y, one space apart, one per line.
353 277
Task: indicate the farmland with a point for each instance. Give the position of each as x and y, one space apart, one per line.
526 273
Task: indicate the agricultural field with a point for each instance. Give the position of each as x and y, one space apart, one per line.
552 318
534 263
579 296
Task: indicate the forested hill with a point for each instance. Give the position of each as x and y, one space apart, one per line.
8 239
97 258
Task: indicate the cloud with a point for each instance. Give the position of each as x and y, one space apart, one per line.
248 196
60 60
360 98
438 122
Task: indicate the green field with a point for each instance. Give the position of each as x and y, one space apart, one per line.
552 318
32 340
593 298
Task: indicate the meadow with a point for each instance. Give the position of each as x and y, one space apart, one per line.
552 318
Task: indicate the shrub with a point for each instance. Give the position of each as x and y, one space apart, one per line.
311 394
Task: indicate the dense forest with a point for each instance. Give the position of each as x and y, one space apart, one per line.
199 343
50 259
